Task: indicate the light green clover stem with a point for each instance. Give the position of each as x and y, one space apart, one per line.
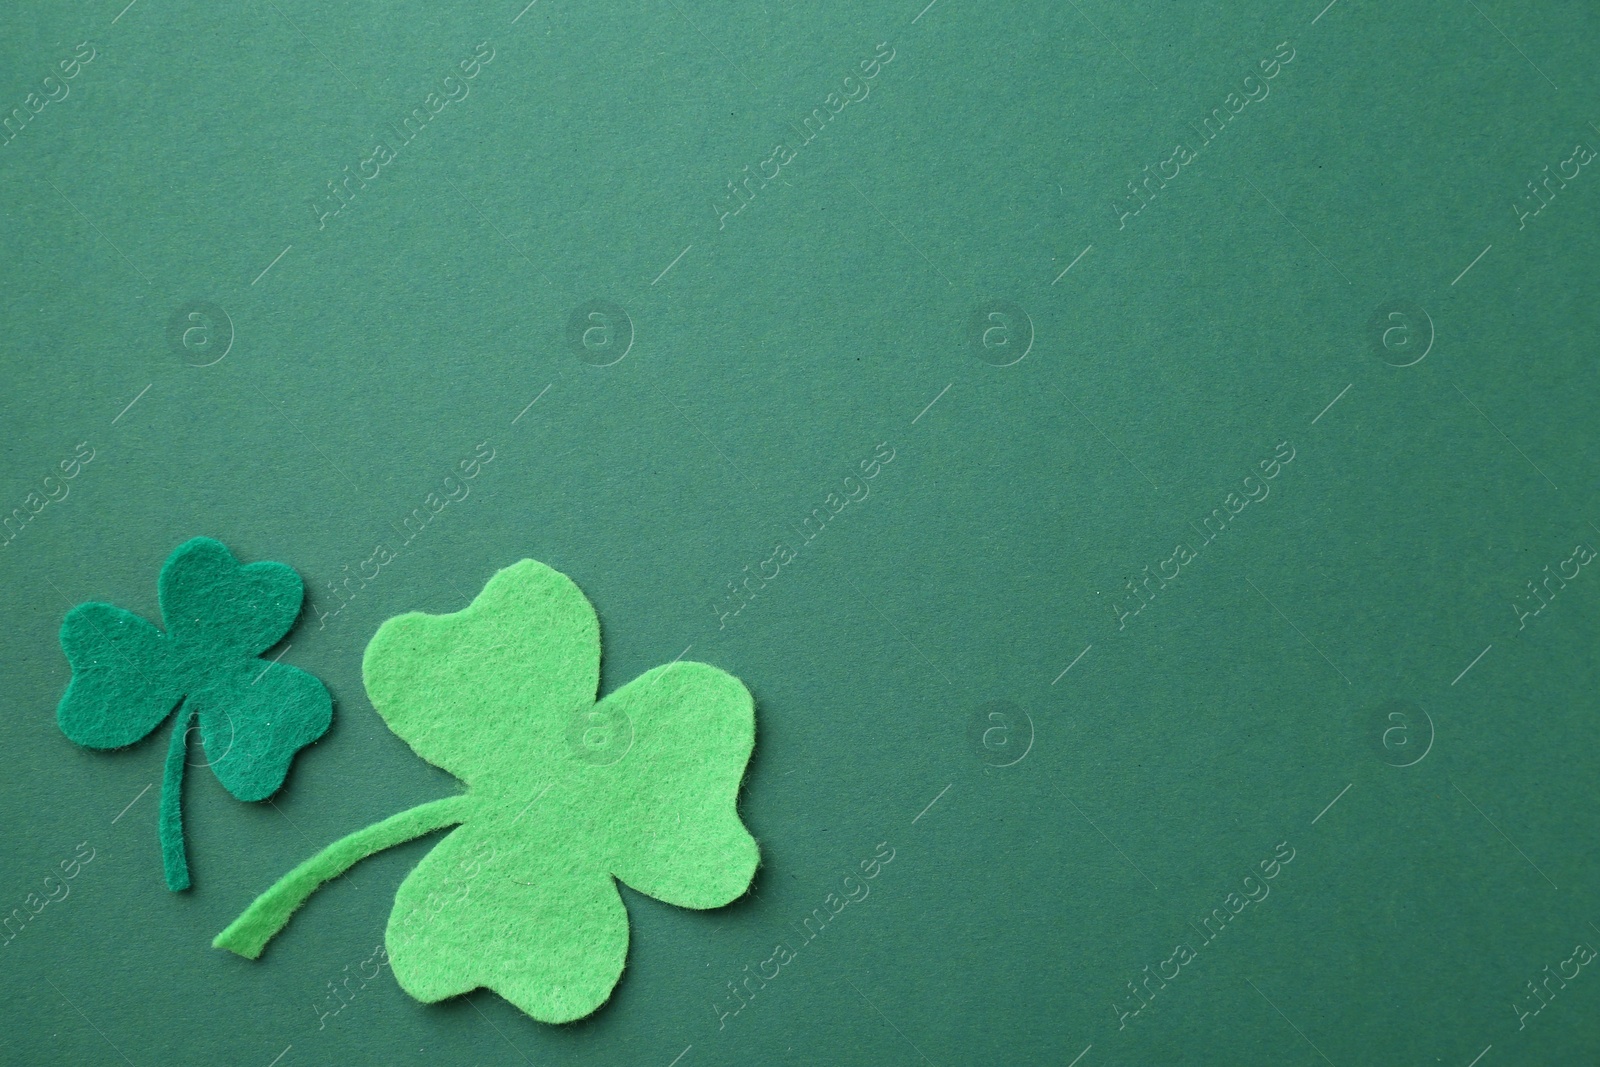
249 933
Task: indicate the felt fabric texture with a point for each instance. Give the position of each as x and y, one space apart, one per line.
254 714
174 854
564 795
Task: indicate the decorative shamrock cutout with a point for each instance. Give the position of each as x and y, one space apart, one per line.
564 795
254 714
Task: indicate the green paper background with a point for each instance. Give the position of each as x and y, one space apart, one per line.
371 356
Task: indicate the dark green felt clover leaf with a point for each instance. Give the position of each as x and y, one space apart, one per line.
565 796
254 714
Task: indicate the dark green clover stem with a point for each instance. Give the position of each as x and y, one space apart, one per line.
249 933
173 856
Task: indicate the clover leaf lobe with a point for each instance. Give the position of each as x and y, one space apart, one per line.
121 688
515 663
211 602
549 935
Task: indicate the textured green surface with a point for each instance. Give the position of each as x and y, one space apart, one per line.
347 420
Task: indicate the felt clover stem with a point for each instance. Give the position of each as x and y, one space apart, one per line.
174 857
249 933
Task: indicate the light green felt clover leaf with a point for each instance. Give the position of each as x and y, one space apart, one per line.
253 714
565 795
